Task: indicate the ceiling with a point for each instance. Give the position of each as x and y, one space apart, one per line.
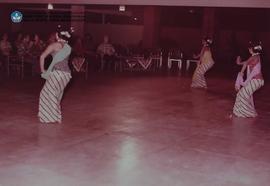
203 3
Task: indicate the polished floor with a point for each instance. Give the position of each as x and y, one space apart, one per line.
141 130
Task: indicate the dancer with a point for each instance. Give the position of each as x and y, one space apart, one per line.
244 105
205 63
57 77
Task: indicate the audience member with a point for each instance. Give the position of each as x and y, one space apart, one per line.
5 49
107 53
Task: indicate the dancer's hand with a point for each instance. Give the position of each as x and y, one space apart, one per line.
241 73
238 60
44 75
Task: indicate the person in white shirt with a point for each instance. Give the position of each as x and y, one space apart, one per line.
107 53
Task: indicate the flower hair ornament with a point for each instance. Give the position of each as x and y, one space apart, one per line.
257 46
65 33
208 40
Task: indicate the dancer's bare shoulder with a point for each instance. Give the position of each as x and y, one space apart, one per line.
56 46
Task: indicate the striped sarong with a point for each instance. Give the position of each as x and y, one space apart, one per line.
244 105
198 79
51 95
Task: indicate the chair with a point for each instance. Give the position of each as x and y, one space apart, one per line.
134 63
118 64
156 58
175 56
190 61
80 66
32 61
103 63
121 55
144 63
17 63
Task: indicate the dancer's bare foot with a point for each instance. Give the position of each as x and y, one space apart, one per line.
231 115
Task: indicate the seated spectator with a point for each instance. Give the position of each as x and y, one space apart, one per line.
52 38
5 45
78 48
90 52
25 46
107 53
18 40
38 46
5 49
78 55
88 44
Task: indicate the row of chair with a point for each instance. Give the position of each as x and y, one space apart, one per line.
18 63
158 61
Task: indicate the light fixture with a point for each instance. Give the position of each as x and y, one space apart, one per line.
122 8
191 11
50 6
135 18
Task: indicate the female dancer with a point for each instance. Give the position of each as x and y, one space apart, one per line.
244 105
57 77
205 63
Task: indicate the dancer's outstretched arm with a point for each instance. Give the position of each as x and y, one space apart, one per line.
239 62
203 50
196 56
48 50
243 69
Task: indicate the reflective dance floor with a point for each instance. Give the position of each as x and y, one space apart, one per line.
133 130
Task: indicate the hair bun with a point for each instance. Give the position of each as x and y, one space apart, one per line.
256 46
64 34
208 40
